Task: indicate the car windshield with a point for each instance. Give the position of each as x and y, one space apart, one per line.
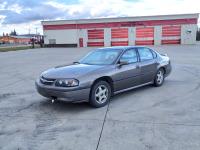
101 57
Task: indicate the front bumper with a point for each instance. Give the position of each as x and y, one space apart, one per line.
65 94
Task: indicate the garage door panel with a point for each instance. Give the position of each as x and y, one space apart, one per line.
119 43
174 27
171 33
119 33
144 36
119 37
96 34
171 30
95 44
168 32
95 38
171 41
145 32
144 42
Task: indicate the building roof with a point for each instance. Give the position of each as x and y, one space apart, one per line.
20 37
124 19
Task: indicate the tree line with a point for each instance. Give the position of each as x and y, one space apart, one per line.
12 33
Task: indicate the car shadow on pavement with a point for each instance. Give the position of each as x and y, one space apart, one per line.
69 107
64 107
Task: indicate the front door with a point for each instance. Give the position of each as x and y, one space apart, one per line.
127 75
80 42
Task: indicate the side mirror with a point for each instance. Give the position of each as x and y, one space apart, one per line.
122 63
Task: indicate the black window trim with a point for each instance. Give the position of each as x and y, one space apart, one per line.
152 51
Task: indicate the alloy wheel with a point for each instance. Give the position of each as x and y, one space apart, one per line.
159 77
101 94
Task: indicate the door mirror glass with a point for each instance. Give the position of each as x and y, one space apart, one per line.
122 63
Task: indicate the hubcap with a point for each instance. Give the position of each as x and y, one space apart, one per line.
101 94
160 77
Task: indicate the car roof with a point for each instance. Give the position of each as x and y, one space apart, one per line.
120 47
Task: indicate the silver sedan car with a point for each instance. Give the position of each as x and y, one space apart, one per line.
103 73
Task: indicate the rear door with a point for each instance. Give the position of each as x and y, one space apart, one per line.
148 65
127 75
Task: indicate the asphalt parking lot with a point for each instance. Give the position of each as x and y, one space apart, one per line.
148 118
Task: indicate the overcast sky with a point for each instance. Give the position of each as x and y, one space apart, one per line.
23 15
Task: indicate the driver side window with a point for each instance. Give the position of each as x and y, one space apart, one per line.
130 56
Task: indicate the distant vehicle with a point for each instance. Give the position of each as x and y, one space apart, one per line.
103 73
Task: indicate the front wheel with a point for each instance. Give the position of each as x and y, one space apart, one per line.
159 78
100 94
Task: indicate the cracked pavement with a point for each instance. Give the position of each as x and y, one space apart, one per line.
147 118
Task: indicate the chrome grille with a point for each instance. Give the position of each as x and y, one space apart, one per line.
47 81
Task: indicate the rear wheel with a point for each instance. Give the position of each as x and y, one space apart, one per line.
100 94
159 79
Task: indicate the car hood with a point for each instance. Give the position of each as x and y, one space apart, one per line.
70 71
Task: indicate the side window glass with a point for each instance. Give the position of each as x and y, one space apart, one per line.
129 56
145 54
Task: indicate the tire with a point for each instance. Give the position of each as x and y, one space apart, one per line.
100 94
159 78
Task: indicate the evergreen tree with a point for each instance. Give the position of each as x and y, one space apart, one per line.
13 33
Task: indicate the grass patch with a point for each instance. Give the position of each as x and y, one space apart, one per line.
6 49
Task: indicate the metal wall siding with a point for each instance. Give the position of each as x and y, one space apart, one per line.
120 24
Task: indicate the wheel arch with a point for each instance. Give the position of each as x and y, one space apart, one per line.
104 78
163 68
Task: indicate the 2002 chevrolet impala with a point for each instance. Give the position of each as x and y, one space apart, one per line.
103 73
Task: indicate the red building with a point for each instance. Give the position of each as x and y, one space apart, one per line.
145 30
14 39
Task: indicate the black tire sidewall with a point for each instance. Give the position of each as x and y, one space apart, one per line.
155 80
92 101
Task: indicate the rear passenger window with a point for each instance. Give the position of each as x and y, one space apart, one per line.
145 54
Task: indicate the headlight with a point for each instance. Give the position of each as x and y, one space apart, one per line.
67 82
